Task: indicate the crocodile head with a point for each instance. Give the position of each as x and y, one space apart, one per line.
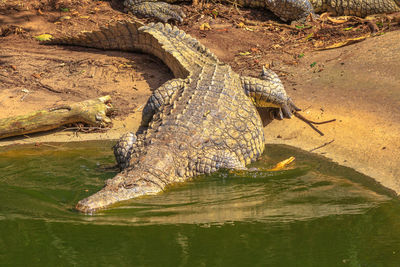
114 191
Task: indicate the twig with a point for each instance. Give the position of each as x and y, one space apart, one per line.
311 123
4 79
282 71
23 97
306 108
341 54
321 146
280 25
86 128
51 89
140 107
269 23
234 4
43 144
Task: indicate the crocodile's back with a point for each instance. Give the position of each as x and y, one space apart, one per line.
212 113
213 118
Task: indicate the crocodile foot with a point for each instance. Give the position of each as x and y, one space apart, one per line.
285 111
123 149
159 10
287 108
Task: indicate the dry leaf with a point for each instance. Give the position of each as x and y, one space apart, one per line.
339 20
318 44
36 75
324 16
241 25
308 37
205 27
64 18
347 42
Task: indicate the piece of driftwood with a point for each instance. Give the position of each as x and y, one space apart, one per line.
92 112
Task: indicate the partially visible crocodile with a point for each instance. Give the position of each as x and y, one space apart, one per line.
204 119
287 10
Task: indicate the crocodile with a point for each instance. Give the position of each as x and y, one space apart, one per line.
286 10
204 119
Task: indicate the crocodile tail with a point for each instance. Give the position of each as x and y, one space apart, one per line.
122 35
178 50
179 43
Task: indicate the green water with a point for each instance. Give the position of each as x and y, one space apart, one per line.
316 213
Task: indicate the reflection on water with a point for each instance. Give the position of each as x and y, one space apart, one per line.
316 213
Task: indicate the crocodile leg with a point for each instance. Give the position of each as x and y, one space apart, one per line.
152 8
228 160
124 149
269 92
163 95
129 144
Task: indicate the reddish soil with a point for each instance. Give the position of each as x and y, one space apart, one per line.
247 39
357 84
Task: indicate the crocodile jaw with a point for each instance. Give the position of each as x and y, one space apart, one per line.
111 194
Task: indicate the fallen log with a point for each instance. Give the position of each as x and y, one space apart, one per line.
92 112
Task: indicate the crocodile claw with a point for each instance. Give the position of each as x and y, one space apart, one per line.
286 111
159 10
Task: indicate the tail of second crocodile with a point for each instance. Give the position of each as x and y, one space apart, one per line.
178 50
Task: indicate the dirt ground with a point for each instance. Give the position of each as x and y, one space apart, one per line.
359 84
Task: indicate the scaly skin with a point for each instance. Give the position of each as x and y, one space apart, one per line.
287 10
203 120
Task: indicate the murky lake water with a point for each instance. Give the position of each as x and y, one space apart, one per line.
316 213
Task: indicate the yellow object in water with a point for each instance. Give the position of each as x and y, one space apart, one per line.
282 164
